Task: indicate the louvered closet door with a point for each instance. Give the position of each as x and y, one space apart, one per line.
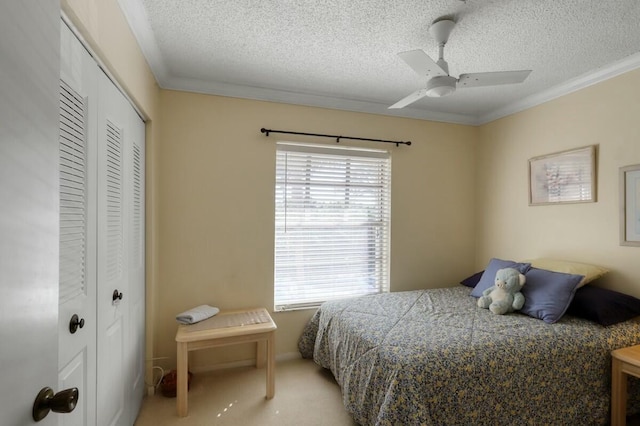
114 298
136 259
77 285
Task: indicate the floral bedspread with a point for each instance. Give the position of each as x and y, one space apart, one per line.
432 357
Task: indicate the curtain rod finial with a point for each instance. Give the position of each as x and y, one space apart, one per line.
263 130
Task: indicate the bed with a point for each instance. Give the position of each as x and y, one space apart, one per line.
432 357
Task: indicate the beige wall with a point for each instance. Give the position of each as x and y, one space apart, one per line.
215 180
606 115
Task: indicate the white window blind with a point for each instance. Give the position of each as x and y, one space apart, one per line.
332 224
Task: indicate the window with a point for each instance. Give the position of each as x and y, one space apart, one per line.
332 224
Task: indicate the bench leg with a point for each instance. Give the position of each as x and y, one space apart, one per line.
618 394
182 382
271 365
261 351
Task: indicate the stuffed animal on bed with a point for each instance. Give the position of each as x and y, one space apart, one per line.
504 296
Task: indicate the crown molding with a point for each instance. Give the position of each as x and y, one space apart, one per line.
136 15
615 69
308 99
273 95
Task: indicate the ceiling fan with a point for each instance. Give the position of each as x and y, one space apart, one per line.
440 83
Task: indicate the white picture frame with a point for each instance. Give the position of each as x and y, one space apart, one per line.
563 177
630 205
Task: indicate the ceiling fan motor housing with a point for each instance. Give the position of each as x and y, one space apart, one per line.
441 30
441 86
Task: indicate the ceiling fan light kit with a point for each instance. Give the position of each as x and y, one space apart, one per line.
439 82
440 86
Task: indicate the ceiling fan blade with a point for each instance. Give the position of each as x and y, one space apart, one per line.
480 79
415 96
421 63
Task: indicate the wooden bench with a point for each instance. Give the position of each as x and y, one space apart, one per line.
226 328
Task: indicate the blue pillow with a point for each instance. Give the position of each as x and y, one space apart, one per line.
473 280
489 275
547 294
606 307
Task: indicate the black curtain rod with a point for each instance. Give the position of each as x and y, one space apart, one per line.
337 138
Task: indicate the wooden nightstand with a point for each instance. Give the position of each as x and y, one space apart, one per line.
623 362
226 328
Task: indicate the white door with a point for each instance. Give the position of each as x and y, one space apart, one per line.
136 258
113 284
29 81
77 297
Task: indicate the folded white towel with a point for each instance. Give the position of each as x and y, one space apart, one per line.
197 314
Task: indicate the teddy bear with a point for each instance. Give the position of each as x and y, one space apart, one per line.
504 296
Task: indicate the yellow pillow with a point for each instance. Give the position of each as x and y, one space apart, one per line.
590 272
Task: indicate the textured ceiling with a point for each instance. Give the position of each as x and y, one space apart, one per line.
343 53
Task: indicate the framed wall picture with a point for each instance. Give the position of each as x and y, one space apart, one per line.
630 205
563 177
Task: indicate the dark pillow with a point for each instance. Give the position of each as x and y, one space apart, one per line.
606 307
547 294
488 277
472 280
